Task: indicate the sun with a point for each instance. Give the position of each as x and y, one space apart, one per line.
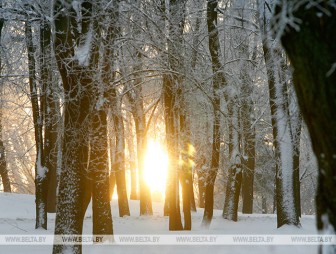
155 167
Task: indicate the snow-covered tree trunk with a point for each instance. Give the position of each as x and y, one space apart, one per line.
281 123
284 150
230 210
310 45
41 186
75 66
98 170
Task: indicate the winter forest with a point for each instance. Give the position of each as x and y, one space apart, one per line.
201 114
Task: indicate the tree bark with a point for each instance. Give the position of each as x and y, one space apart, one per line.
41 184
248 136
50 111
172 191
282 135
186 169
77 83
3 165
119 164
230 210
312 52
218 82
133 167
101 210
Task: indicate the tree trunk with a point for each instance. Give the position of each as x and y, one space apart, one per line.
312 53
172 191
218 82
248 137
201 175
101 210
41 184
77 80
133 167
50 109
172 88
119 163
296 125
248 164
186 169
3 164
230 210
283 138
118 160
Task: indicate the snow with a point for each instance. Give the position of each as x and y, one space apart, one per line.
41 171
17 216
82 53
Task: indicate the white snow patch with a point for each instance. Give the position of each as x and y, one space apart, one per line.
100 103
82 53
40 170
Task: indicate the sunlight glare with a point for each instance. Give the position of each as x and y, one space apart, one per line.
155 167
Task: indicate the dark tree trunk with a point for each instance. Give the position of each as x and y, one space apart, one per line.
3 164
145 194
312 53
77 80
296 133
172 192
133 167
192 193
118 165
248 139
50 109
172 88
248 170
201 176
186 169
101 210
218 82
41 184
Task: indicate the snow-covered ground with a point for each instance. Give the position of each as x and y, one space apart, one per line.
17 216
